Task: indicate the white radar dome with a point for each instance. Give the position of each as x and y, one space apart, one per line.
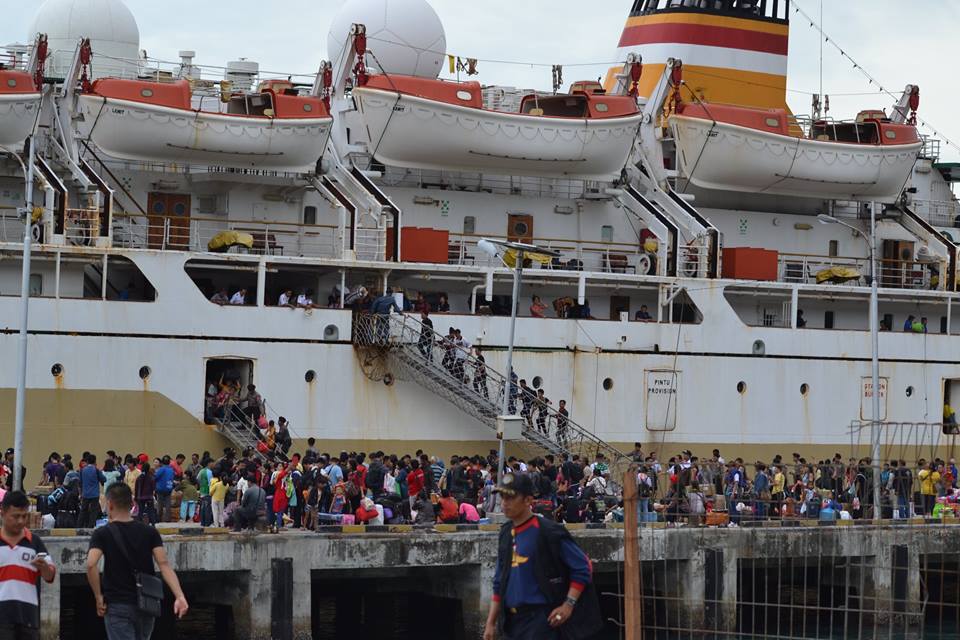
406 37
111 27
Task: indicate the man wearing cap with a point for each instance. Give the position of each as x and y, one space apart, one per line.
542 581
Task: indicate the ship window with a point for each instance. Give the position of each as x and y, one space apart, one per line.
144 372
310 215
608 384
310 376
741 387
891 135
146 93
56 370
773 122
828 320
602 107
36 285
308 108
606 233
833 248
804 389
465 95
469 225
537 382
11 82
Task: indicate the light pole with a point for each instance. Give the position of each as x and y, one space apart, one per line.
24 313
492 248
874 347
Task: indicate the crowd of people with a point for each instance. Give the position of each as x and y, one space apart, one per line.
311 489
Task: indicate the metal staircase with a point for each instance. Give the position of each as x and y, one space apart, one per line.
239 429
417 354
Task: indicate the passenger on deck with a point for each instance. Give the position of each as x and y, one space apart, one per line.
421 305
305 300
286 299
444 305
908 325
801 321
239 298
538 309
642 315
220 298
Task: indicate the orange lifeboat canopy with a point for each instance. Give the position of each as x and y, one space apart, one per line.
15 82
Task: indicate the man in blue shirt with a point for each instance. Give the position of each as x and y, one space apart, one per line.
91 479
163 476
543 579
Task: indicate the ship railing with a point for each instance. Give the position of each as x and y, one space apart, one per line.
597 257
370 244
894 274
694 258
81 227
460 377
435 182
939 213
11 225
194 233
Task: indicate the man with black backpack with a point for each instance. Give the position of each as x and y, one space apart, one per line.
542 587
129 596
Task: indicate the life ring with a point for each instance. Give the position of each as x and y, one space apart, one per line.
36 232
644 265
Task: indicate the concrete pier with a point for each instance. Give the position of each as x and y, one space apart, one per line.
269 586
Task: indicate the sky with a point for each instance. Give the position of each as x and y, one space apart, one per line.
897 42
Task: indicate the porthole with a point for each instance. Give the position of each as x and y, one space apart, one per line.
891 135
331 333
144 372
308 108
310 376
464 95
804 389
741 387
602 107
11 83
773 122
388 379
909 391
146 93
56 370
759 348
607 384
537 382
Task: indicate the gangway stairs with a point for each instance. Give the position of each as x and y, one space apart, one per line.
417 354
239 429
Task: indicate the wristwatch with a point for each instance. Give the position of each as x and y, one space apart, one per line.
571 601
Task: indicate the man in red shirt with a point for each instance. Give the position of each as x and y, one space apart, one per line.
23 561
449 509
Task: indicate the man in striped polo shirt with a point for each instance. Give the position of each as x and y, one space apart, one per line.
23 560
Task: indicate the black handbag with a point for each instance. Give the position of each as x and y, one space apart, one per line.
149 587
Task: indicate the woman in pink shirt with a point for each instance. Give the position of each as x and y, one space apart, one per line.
468 513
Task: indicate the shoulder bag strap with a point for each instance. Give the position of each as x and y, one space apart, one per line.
121 544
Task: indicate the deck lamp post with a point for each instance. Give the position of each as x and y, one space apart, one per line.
24 312
497 249
874 348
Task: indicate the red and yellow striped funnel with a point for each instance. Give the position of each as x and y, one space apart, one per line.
733 51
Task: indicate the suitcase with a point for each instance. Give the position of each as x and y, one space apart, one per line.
718 519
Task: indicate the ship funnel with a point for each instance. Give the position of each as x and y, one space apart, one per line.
733 51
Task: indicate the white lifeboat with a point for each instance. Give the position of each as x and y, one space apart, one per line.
765 151
433 124
19 105
155 121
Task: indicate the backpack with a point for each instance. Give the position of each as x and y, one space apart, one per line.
351 490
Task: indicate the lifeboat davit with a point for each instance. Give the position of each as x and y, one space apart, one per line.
434 124
273 128
766 151
19 105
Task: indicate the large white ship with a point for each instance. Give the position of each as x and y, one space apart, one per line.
685 189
